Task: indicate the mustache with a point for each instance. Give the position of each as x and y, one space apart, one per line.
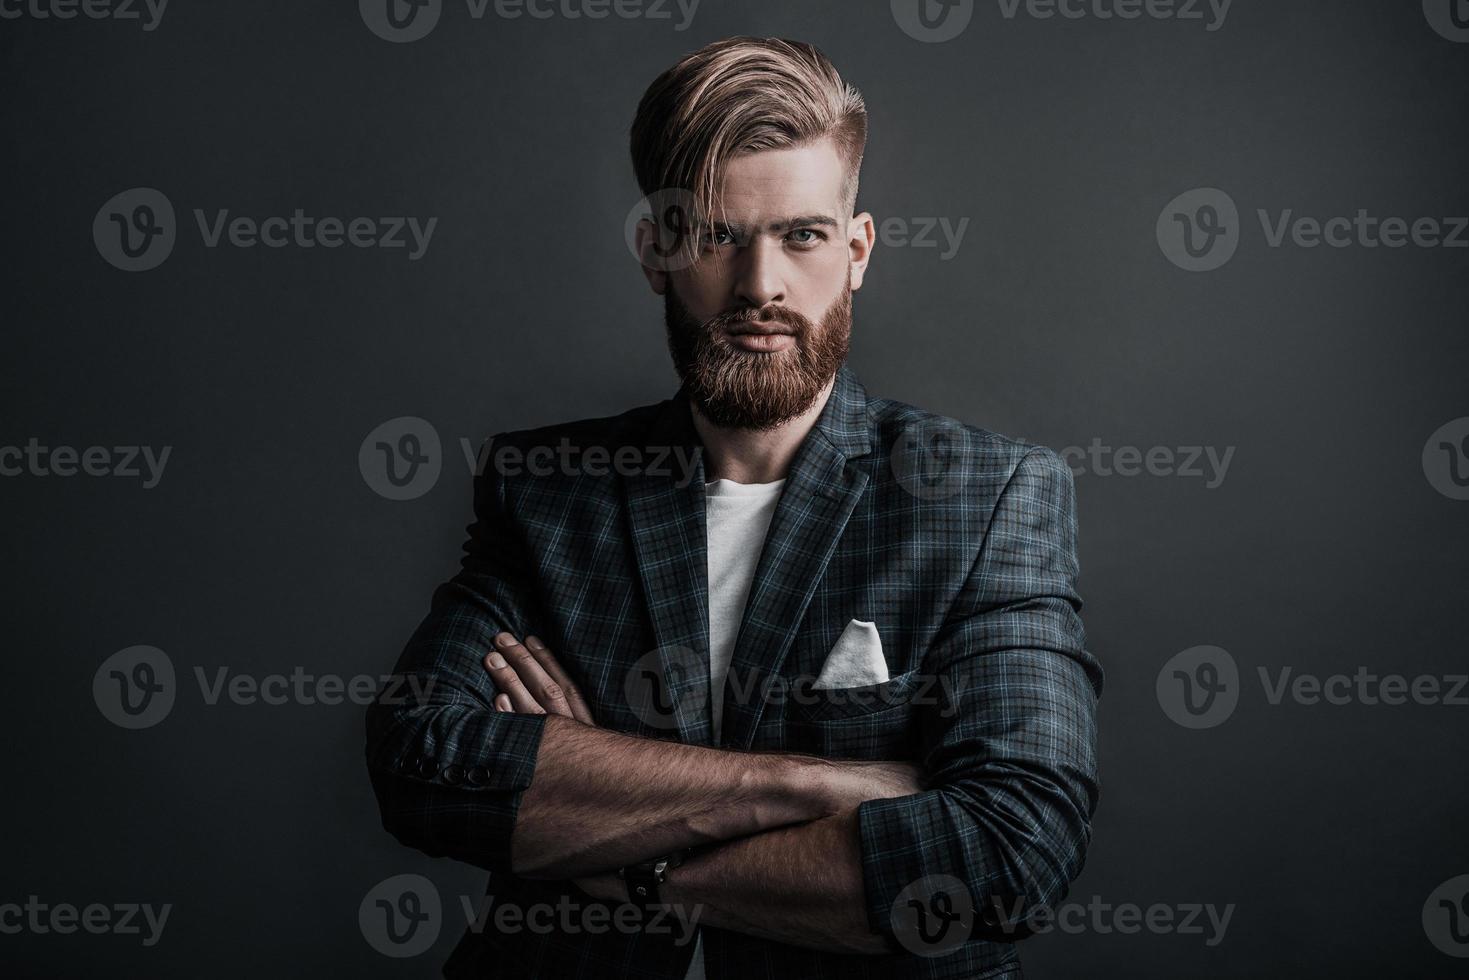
798 322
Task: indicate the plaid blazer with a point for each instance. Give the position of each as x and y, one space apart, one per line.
959 544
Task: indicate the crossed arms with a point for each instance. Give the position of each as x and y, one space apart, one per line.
791 868
808 851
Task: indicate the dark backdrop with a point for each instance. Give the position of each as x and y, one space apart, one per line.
1334 543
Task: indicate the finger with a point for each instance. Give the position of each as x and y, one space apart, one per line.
579 708
502 703
547 693
508 681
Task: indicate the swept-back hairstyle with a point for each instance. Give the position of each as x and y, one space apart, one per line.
736 95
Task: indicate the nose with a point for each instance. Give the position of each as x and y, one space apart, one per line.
759 275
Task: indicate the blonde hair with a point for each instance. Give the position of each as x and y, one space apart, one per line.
737 95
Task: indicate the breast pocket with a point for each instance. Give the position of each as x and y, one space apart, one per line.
874 721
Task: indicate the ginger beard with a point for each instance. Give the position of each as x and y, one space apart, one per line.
741 389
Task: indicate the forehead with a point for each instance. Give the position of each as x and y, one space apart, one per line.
770 185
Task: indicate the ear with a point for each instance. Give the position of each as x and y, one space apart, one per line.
861 236
645 237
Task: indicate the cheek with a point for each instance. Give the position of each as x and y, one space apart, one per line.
819 284
702 290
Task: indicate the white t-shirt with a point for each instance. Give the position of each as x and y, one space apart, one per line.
738 515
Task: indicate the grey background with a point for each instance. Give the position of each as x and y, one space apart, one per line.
1059 320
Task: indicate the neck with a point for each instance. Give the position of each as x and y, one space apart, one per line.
756 455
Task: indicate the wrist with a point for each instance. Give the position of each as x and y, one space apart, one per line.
645 880
809 788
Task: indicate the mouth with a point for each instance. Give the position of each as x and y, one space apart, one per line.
761 338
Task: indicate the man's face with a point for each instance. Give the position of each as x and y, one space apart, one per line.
760 322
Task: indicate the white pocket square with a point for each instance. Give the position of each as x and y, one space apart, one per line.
855 661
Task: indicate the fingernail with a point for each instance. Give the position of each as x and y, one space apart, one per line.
534 642
496 661
504 640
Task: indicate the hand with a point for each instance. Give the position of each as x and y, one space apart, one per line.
531 682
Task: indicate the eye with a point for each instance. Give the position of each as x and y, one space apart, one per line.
806 236
716 238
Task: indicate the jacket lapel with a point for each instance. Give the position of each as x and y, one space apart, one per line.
669 541
820 492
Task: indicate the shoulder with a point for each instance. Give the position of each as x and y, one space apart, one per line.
923 446
608 431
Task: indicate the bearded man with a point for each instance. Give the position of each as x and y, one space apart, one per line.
815 704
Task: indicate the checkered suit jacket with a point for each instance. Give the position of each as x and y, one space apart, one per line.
958 543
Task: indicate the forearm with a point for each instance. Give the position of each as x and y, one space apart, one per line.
602 799
800 885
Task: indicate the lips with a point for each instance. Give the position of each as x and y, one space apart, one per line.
762 341
763 331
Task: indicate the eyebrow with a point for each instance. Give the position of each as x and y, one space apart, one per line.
782 224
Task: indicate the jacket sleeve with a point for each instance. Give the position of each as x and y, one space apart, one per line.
448 770
1009 744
